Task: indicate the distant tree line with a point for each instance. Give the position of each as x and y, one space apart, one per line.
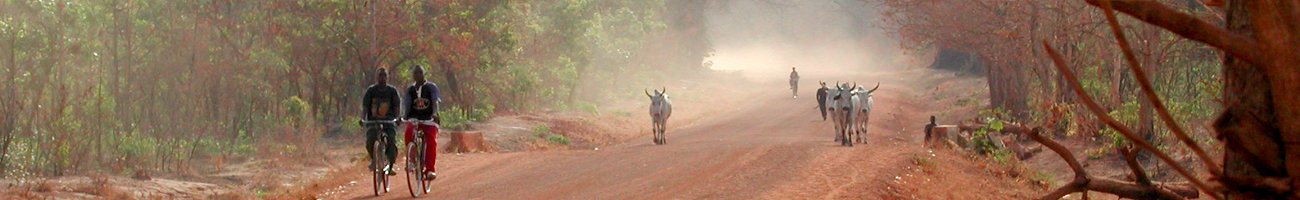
124 85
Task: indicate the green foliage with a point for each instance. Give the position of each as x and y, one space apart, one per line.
453 117
352 127
481 113
982 138
984 141
589 108
297 109
1126 114
137 148
544 132
541 130
1096 154
1003 155
557 139
1043 178
157 78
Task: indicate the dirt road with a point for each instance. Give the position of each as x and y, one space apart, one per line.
773 147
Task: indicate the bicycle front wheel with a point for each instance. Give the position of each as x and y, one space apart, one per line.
423 182
377 166
415 170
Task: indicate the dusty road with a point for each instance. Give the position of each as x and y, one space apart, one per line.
774 147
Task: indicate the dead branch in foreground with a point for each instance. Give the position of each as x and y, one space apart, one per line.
1149 91
1115 124
1143 189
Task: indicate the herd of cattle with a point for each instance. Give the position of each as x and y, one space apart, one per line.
849 107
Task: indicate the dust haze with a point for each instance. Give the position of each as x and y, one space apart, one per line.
763 39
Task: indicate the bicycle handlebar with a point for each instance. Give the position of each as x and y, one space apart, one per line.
424 122
392 122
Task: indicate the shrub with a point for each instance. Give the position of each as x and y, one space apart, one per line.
455 117
541 130
544 132
483 112
984 143
1002 155
1127 114
296 110
558 139
589 108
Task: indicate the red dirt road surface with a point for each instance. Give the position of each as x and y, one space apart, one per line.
772 147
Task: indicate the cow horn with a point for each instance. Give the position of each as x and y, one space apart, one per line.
874 89
665 91
647 93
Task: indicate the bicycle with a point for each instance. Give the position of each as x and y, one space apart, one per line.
415 159
379 161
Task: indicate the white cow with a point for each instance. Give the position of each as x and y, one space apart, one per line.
660 109
863 102
840 104
831 105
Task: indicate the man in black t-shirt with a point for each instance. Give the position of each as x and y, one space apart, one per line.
380 102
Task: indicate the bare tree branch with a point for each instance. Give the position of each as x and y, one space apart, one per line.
1188 26
1150 93
1082 182
1123 130
1130 158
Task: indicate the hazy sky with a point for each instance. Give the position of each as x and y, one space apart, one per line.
766 38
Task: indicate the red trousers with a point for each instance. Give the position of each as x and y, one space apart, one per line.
430 145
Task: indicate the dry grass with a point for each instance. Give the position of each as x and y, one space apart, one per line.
21 193
232 195
44 186
331 181
101 186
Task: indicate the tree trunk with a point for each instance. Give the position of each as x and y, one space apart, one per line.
688 22
1248 125
1007 89
1146 126
1146 113
8 102
449 72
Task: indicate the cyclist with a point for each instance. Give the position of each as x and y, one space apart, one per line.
421 103
380 102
